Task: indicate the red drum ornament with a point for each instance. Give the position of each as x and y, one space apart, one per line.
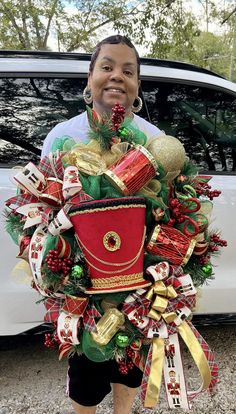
132 171
75 305
52 193
170 244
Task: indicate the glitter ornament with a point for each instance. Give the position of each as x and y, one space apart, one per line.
207 269
122 340
168 151
77 272
124 132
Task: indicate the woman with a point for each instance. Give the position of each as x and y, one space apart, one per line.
113 78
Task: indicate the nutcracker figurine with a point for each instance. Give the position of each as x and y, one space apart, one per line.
173 387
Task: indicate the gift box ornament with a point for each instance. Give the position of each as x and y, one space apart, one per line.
111 235
108 326
170 244
132 171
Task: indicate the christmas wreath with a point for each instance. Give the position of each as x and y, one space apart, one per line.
116 234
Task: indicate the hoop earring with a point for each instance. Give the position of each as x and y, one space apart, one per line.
87 95
139 106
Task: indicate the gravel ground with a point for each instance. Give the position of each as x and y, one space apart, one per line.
32 380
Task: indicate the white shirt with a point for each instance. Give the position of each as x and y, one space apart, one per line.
78 126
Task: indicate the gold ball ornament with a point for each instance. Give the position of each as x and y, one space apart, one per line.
168 151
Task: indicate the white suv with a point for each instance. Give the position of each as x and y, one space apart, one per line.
40 89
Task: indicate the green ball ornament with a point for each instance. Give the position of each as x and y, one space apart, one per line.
207 269
77 272
122 340
123 132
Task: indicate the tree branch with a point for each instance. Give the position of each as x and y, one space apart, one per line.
36 24
51 14
88 14
11 17
23 16
229 15
76 43
9 137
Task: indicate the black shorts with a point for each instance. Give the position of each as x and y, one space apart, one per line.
89 382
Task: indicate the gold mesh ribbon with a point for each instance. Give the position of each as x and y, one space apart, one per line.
91 159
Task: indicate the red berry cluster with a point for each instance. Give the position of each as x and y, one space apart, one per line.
51 340
215 238
175 207
203 260
118 116
214 246
216 242
205 189
126 364
56 264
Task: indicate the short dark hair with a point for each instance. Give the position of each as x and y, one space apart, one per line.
113 40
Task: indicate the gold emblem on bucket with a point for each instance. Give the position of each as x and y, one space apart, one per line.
111 241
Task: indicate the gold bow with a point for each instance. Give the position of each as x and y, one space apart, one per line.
159 294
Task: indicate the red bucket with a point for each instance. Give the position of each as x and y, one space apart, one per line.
111 234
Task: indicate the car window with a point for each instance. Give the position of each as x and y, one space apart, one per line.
29 109
203 119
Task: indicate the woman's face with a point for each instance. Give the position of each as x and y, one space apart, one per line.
114 78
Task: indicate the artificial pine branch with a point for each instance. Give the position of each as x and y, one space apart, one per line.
13 222
100 131
51 280
194 268
189 169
